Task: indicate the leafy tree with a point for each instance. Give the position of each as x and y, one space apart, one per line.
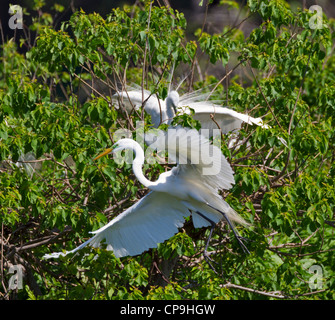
56 114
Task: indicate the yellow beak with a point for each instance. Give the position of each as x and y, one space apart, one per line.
103 154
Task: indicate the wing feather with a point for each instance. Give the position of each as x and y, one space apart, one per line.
133 98
152 220
227 119
193 152
130 99
200 180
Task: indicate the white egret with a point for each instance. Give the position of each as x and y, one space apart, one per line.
191 187
207 112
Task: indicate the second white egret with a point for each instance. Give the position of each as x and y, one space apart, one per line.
211 115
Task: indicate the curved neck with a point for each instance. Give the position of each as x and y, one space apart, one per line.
172 102
138 164
170 109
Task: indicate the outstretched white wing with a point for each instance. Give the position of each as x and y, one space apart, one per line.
227 119
152 220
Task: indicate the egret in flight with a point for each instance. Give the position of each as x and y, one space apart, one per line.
210 115
190 188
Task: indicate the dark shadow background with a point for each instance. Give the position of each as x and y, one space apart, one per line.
190 8
103 7
217 17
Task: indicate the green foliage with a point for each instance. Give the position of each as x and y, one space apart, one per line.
57 114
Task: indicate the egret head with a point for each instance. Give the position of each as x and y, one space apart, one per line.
172 101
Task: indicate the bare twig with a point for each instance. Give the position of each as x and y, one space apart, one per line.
222 79
145 56
262 93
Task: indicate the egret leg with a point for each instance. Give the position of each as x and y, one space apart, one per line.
205 253
237 236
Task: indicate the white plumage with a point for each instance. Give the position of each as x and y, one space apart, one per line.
191 186
163 111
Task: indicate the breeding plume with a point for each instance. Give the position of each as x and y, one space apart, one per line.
190 188
210 115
